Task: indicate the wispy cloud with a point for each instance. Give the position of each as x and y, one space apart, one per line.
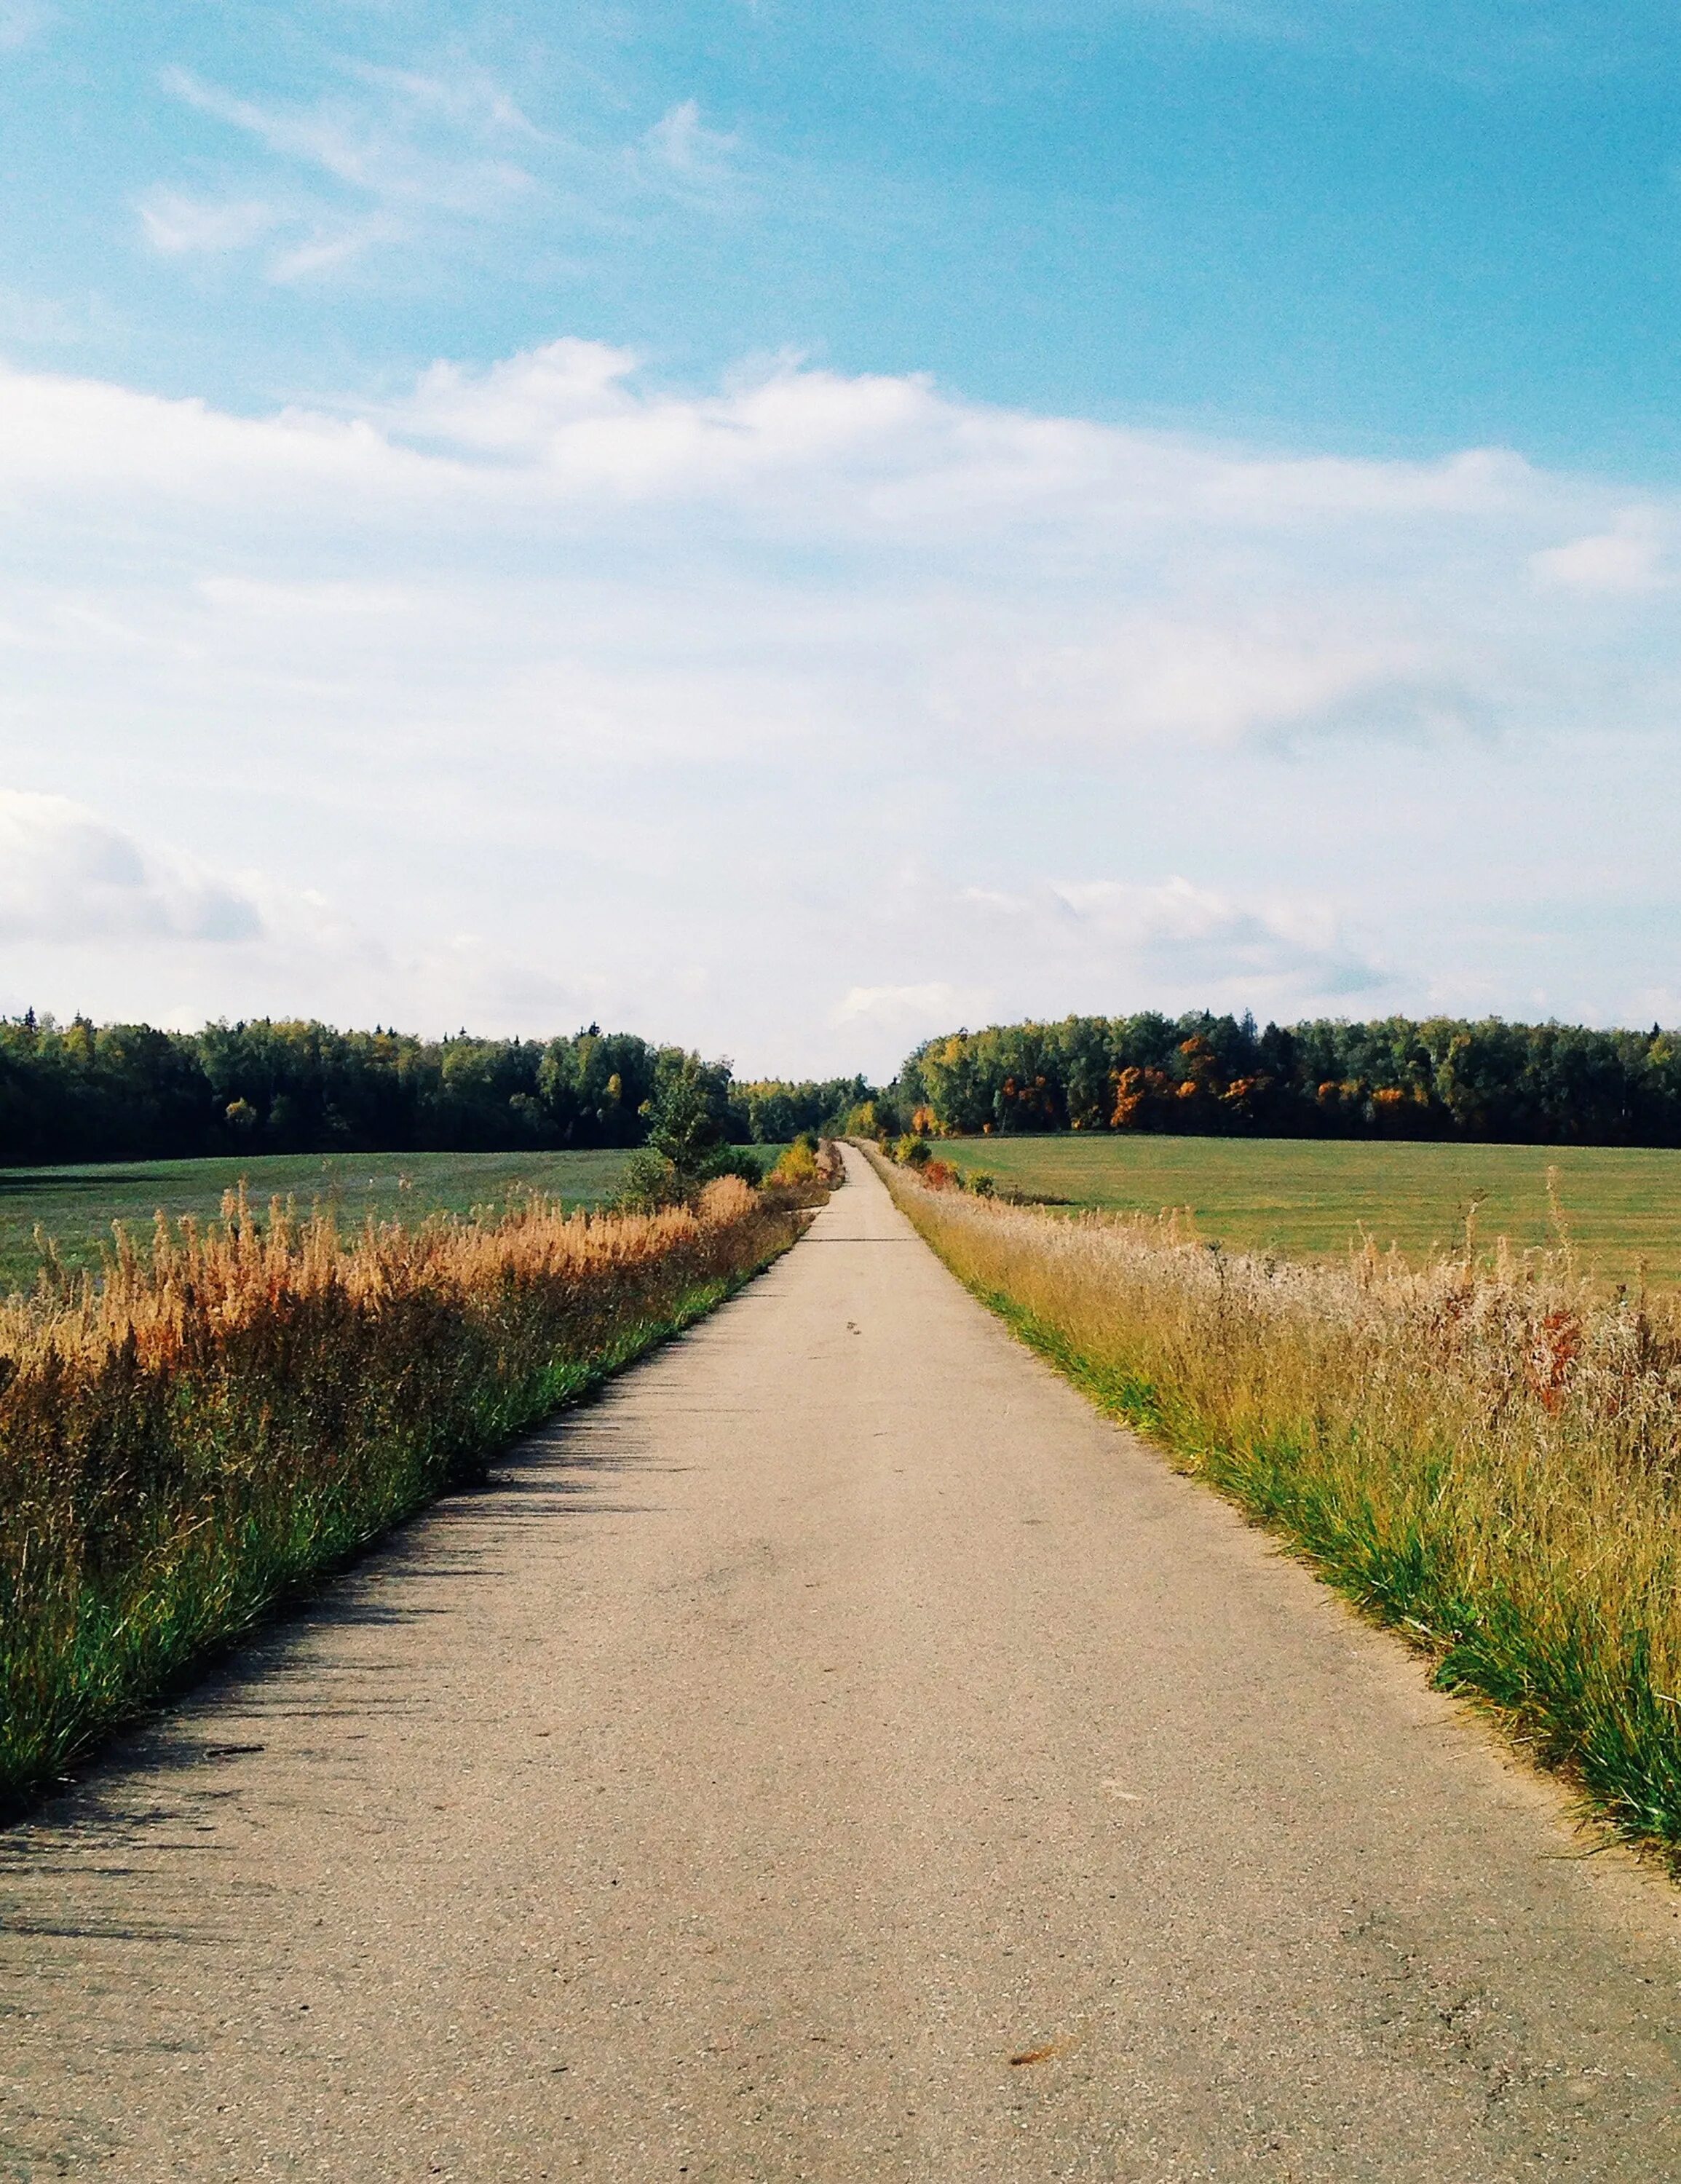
681 153
177 226
1189 937
412 141
387 159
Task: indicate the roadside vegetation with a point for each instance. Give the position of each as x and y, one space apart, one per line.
233 1407
1483 1450
69 1212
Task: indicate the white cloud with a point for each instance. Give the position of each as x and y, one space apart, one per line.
905 1011
705 707
67 875
1200 937
1049 946
1627 558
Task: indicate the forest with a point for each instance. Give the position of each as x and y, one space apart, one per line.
1200 1074
83 1092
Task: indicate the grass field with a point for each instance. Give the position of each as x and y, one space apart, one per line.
76 1205
1309 1199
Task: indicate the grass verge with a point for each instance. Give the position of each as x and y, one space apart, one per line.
228 1416
1484 1458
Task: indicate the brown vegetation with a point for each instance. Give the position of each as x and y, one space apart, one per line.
244 1403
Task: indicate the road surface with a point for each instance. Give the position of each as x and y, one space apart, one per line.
836 1754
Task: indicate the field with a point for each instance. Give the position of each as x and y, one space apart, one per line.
1309 1199
76 1205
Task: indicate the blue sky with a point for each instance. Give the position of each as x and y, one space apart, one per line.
792 527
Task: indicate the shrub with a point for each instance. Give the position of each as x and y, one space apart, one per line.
651 1181
737 1161
798 1166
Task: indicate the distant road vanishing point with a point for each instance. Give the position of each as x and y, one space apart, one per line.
837 1753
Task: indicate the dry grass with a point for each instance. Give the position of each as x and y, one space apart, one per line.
249 1402
1486 1455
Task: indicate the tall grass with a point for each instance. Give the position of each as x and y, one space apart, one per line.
1484 1452
250 1401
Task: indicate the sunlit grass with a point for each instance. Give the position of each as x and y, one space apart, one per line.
75 1206
241 1404
1484 1453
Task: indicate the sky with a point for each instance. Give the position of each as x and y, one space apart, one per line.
793 529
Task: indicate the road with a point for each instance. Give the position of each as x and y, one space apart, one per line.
836 1754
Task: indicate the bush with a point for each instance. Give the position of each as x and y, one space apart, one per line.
737 1161
651 1182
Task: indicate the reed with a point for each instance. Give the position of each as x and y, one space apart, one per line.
218 1418
1483 1452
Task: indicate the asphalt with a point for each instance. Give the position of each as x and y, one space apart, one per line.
836 1754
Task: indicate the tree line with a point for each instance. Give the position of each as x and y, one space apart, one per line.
1443 1077
82 1091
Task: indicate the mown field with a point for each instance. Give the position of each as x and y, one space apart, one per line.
1308 1199
77 1205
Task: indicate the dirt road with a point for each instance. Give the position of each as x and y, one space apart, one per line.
838 1754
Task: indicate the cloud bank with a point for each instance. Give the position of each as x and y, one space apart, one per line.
805 708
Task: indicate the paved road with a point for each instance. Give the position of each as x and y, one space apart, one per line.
838 1754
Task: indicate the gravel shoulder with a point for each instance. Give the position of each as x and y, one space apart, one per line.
836 1753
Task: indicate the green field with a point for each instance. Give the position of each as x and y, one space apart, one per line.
1309 1199
76 1205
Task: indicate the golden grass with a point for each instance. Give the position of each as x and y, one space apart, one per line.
1485 1455
254 1399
